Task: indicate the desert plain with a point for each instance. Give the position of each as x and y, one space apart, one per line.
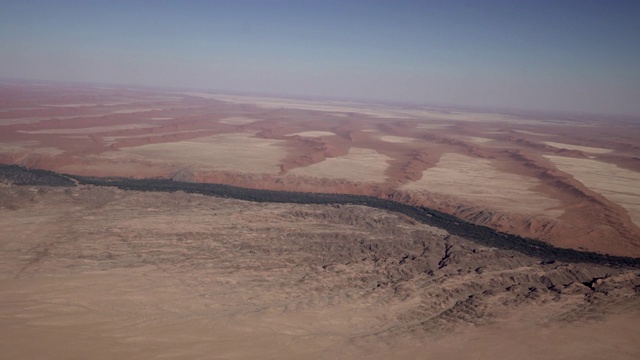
100 272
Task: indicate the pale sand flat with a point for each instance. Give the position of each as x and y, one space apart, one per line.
478 180
239 152
533 133
397 139
619 185
88 130
28 146
238 120
359 165
35 119
479 140
312 134
587 149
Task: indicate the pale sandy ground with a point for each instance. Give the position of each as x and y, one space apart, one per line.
28 146
13 146
238 152
147 313
162 98
479 140
533 133
238 120
88 130
359 165
35 119
324 106
397 139
204 95
363 108
477 180
588 149
620 185
517 339
97 273
379 111
234 156
112 139
312 134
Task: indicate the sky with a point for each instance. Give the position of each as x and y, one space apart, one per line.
574 56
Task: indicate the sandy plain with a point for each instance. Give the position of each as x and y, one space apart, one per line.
359 165
586 149
617 184
460 176
506 180
238 120
397 139
313 133
239 152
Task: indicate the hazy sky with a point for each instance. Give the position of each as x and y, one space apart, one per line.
536 54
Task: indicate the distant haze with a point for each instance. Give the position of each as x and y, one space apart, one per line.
581 56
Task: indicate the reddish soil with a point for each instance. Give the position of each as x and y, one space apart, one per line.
131 132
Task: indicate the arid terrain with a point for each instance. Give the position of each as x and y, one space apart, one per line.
570 181
100 272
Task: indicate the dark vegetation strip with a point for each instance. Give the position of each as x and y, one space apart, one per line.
19 175
455 226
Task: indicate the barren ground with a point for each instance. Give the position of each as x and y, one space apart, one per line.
568 180
100 273
94 272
